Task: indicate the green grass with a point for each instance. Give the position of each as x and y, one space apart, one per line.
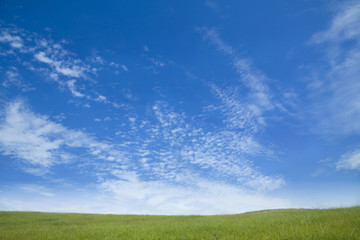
342 223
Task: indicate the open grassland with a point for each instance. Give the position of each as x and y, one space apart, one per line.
342 223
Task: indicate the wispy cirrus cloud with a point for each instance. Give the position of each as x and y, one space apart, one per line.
203 197
124 68
349 161
61 66
12 78
345 25
248 74
38 189
241 112
157 161
156 62
41 143
46 56
212 5
59 60
72 88
52 61
334 92
134 196
242 116
174 145
163 149
238 113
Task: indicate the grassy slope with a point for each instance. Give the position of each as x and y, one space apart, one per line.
275 224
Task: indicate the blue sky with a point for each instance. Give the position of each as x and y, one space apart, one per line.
179 107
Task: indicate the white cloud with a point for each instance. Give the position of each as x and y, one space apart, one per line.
14 41
26 136
252 77
344 26
51 60
42 58
129 95
54 62
239 114
334 89
67 68
13 78
166 151
188 170
213 36
174 144
72 88
41 143
101 98
124 68
100 120
203 197
212 4
136 197
349 161
157 62
116 65
38 189
98 59
132 196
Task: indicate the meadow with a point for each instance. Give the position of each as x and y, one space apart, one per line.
337 223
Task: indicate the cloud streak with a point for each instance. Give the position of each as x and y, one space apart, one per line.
73 90
349 161
344 26
41 143
38 189
249 75
335 107
63 67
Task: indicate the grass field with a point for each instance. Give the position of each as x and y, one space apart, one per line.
341 223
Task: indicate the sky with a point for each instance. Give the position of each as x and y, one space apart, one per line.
179 107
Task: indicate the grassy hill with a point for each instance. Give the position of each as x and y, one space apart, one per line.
341 223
